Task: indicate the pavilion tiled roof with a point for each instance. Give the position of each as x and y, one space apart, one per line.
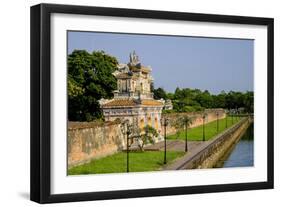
121 102
132 102
151 103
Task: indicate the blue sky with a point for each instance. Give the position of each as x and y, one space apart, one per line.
213 64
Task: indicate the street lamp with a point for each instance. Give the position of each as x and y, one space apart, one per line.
126 128
217 113
226 120
128 134
204 117
186 120
165 124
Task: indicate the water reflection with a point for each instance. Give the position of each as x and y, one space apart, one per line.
241 154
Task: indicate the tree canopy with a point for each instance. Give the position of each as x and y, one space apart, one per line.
187 99
89 79
159 93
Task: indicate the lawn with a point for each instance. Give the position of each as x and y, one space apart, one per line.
117 163
196 133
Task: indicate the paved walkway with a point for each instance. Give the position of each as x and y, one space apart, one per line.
197 149
174 145
178 145
181 162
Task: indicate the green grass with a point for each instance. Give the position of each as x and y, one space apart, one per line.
196 133
117 163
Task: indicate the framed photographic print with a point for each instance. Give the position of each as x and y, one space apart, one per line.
133 103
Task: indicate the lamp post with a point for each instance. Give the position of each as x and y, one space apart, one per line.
128 133
126 128
204 117
186 120
217 113
165 124
226 120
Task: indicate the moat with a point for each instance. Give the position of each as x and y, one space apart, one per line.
242 153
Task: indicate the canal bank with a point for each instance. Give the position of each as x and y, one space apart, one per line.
208 154
240 154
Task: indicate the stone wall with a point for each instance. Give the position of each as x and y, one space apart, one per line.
93 140
197 118
88 140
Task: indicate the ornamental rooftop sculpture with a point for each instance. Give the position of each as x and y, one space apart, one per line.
133 99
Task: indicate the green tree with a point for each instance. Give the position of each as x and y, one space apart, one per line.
205 99
178 94
74 89
159 93
229 100
89 79
147 137
249 102
219 100
187 100
170 96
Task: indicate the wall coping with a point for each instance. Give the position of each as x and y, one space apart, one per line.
83 125
72 125
195 113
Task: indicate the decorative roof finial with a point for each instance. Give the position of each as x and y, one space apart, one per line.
134 59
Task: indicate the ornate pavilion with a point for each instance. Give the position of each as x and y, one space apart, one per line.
133 99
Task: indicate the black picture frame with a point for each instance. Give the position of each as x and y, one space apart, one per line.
41 96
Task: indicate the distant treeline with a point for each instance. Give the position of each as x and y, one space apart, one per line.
187 100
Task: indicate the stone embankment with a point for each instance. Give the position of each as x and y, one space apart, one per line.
209 153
